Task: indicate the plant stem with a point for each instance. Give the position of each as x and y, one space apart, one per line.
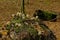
22 6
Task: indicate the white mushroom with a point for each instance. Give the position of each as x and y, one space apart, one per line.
36 17
27 15
23 16
19 24
19 13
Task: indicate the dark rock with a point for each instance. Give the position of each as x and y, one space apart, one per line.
45 15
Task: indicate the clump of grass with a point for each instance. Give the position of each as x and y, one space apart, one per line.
20 25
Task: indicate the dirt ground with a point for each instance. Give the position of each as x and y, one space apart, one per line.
9 7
